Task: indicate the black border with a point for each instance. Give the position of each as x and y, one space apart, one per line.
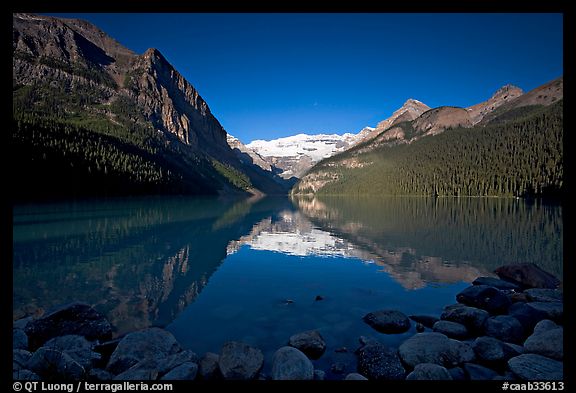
418 6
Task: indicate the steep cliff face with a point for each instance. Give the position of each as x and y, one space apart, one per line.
70 71
500 97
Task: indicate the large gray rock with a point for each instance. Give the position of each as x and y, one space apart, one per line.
53 364
549 343
451 329
19 339
429 372
355 377
485 297
505 328
310 342
476 372
435 348
375 361
75 318
471 317
387 321
527 275
551 310
288 363
208 367
77 347
151 368
532 367
184 372
544 325
544 295
492 351
426 320
496 283
527 316
152 343
240 361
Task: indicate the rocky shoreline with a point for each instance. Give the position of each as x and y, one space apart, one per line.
507 328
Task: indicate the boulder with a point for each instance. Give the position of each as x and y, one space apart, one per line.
288 363
451 329
426 320
138 374
476 372
75 318
544 295
387 321
208 367
19 339
435 348
22 322
420 328
533 367
429 372
319 375
154 367
150 343
492 351
310 342
496 283
77 347
355 377
544 325
240 361
184 372
527 316
505 328
486 298
550 310
549 343
53 364
377 362
471 317
527 275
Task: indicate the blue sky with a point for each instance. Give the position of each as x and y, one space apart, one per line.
270 75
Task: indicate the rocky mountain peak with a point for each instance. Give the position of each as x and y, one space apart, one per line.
503 95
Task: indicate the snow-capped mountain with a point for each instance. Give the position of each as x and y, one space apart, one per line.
294 155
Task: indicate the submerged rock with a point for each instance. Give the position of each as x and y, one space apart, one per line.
151 343
240 361
532 367
387 321
310 342
375 361
429 372
288 363
75 318
528 275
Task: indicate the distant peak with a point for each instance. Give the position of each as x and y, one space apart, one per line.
507 89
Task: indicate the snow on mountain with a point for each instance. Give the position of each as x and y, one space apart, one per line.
294 155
